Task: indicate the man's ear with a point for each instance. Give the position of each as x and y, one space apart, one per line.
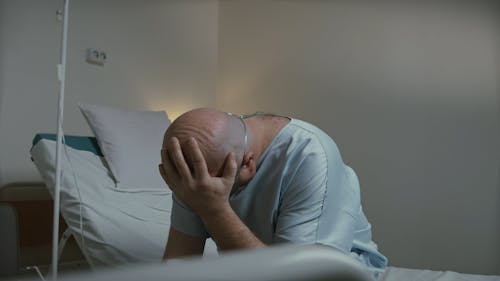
248 167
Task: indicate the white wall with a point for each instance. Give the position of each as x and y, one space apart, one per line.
409 92
162 55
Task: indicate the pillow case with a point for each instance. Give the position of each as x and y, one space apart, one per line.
131 143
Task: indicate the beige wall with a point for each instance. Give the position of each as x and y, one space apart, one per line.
409 92
162 55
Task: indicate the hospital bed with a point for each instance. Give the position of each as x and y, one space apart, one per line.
122 225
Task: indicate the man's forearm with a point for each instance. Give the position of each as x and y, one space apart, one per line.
229 232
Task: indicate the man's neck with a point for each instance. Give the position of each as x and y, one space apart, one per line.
262 130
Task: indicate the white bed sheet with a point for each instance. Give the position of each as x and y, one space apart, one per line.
120 227
406 274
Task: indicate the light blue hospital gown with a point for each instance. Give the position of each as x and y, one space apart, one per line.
302 193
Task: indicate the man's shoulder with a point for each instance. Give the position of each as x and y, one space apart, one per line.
305 134
300 148
308 129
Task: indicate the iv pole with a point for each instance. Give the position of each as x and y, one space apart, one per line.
61 73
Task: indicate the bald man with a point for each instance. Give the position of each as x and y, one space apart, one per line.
256 180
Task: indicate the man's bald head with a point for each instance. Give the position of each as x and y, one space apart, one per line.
216 132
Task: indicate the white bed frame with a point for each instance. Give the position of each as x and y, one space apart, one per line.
277 263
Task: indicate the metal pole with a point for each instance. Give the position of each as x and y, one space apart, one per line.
61 72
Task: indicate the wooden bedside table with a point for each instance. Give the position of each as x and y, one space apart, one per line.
34 206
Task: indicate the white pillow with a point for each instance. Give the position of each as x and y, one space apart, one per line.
131 143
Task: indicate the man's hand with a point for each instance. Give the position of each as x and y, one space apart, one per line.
207 196
202 193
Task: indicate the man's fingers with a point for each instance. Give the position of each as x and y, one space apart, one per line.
167 171
230 167
163 174
166 165
197 159
164 155
175 153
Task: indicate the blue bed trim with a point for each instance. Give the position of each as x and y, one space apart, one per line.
77 142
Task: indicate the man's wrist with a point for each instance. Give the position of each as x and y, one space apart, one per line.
229 231
219 214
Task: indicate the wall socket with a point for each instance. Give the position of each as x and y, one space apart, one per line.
96 56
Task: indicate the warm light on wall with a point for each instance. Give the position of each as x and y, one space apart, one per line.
173 106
